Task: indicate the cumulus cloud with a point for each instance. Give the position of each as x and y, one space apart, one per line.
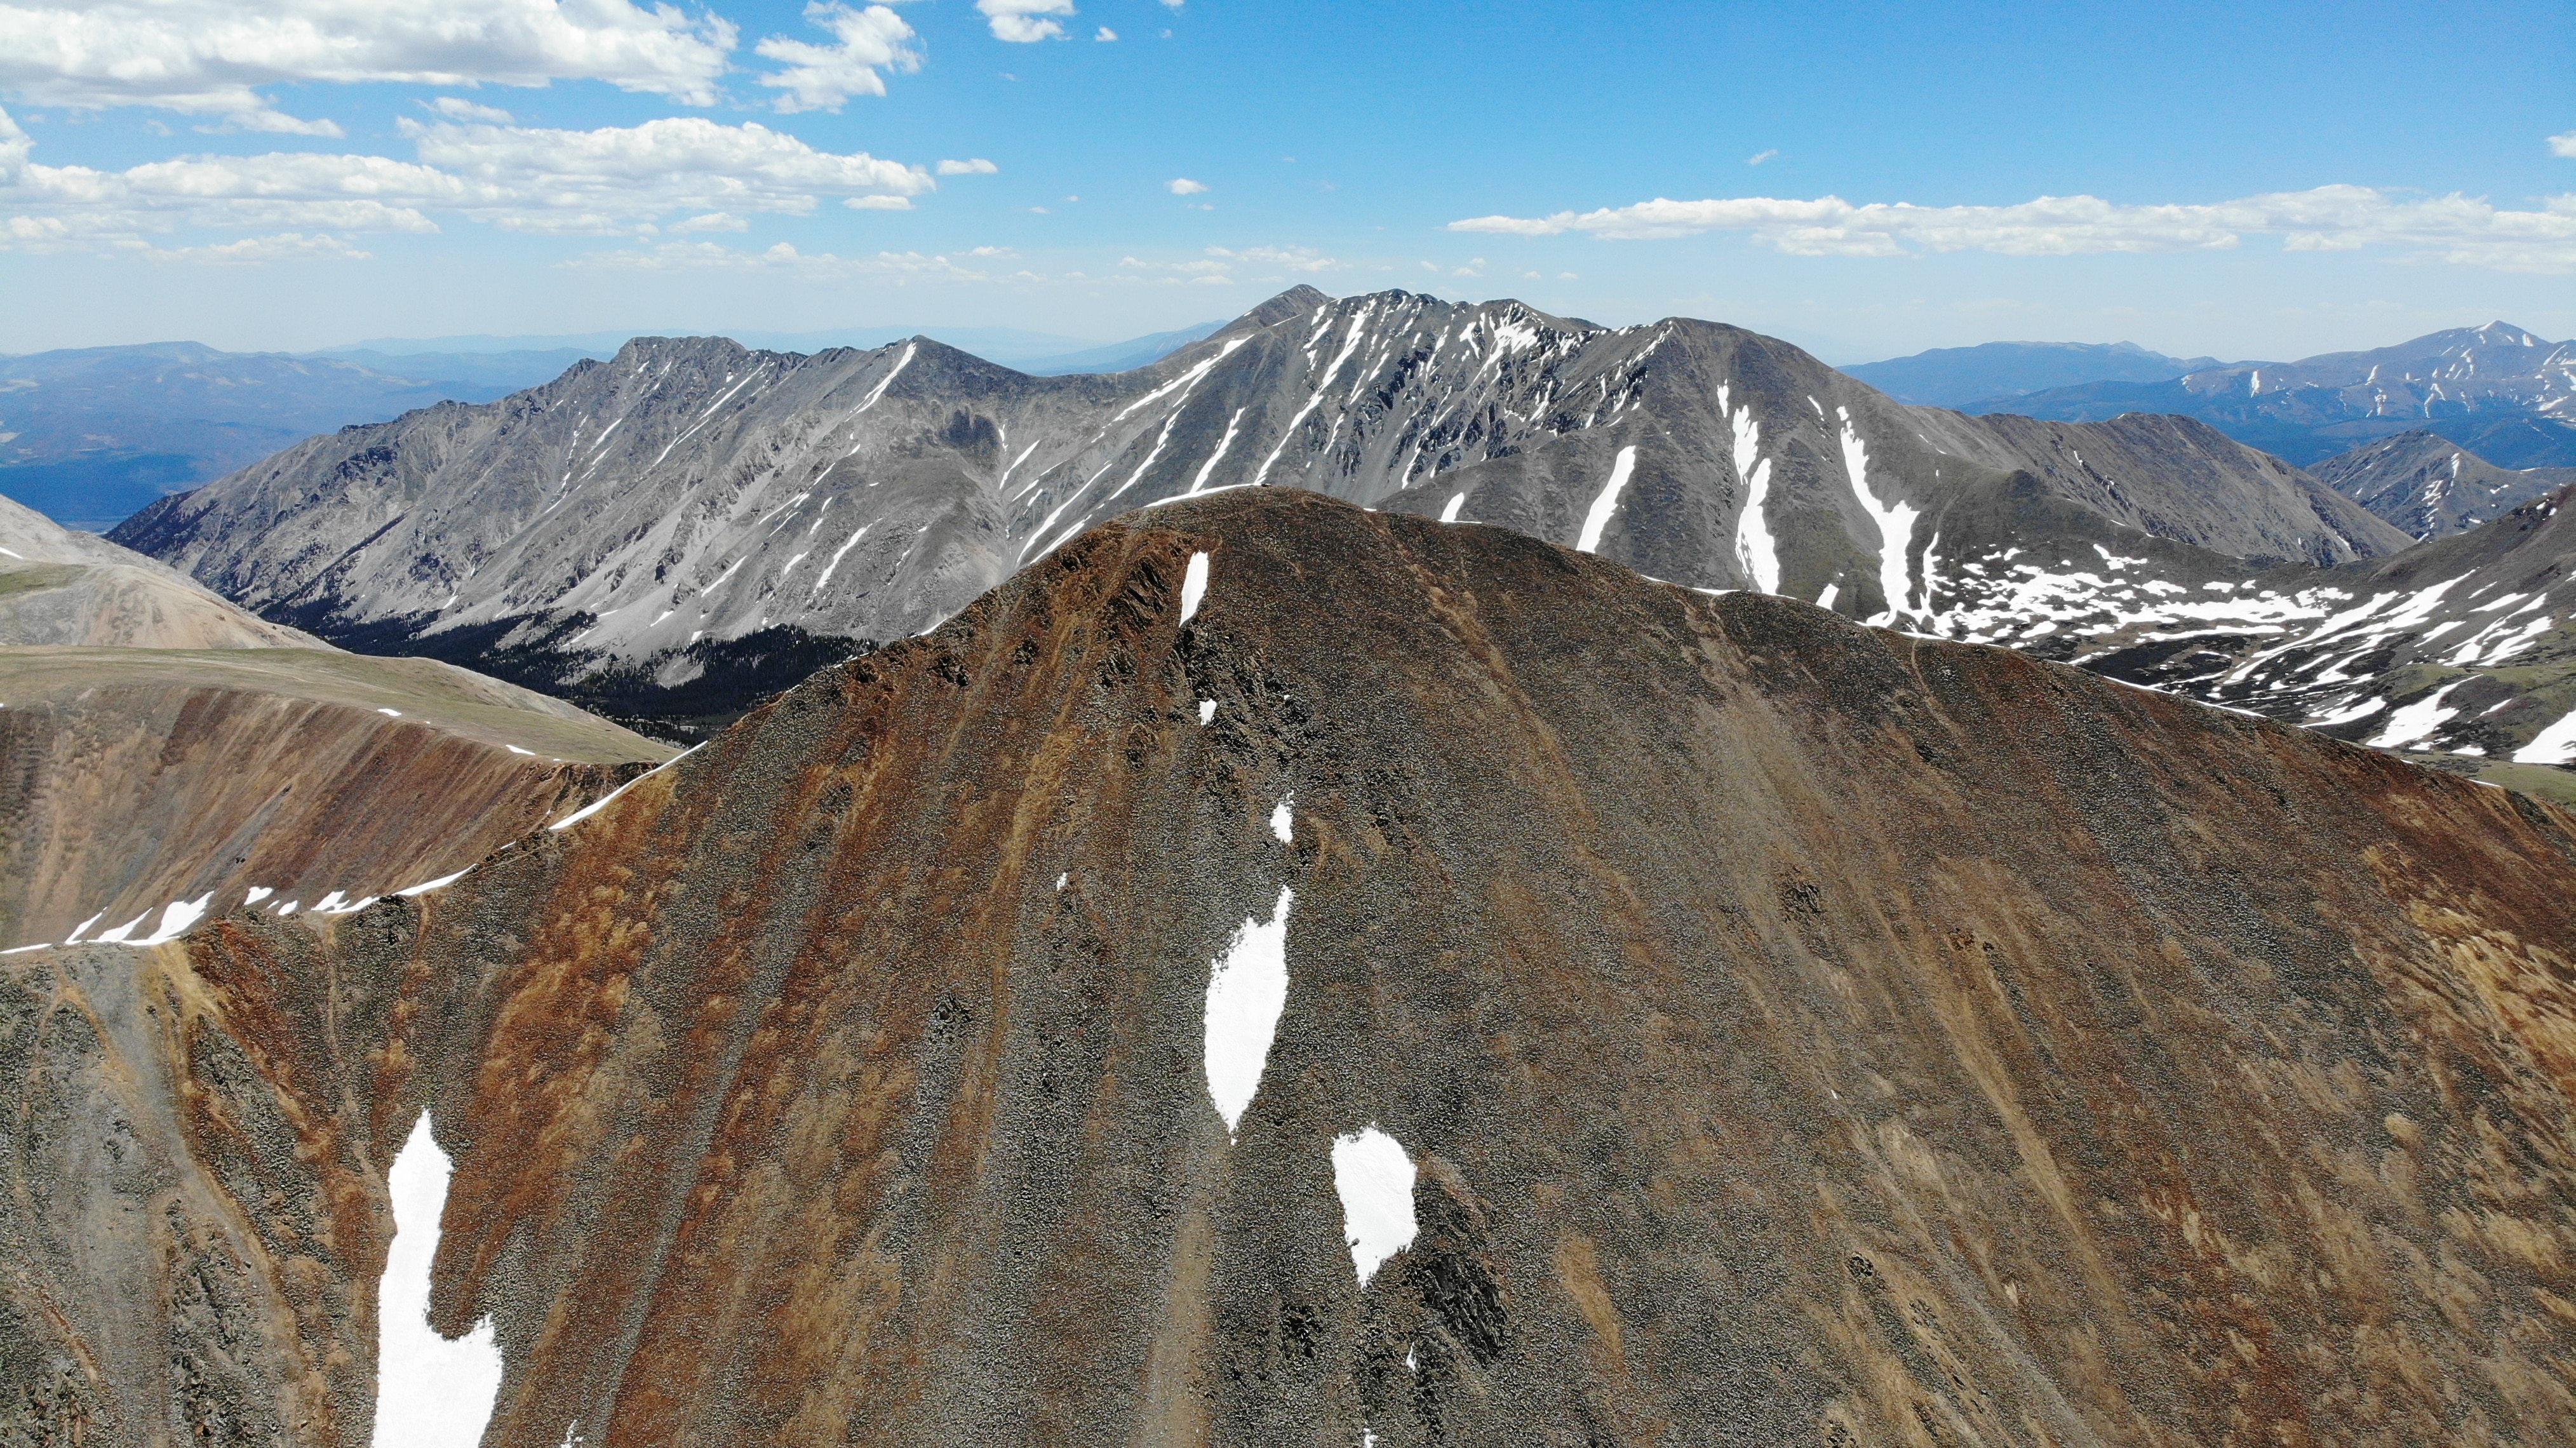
1106 34
821 77
975 167
2563 145
1184 186
1017 20
879 203
208 57
520 178
2455 228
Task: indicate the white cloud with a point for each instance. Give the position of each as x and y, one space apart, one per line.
674 163
1106 34
1184 186
998 253
976 167
1294 258
274 123
519 178
2454 228
783 257
821 77
257 250
714 221
1011 18
2563 145
879 203
457 108
1759 157
207 57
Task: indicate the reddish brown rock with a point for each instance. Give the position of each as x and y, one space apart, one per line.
1802 1034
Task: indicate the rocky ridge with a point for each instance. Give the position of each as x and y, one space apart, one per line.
149 788
638 513
1277 973
2431 487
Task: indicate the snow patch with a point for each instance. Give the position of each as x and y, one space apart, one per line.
1246 991
1604 505
1754 548
1207 711
1193 585
441 883
1449 513
1283 820
431 1392
1374 1179
1895 523
2417 720
2553 745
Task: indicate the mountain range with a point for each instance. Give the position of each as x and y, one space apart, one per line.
1968 376
90 435
2498 390
1273 972
693 516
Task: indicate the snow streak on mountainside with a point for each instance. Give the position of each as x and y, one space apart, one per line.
2479 629
692 491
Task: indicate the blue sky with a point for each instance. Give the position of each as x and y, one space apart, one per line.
301 173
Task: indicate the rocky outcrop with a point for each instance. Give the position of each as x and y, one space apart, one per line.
62 587
1280 973
145 788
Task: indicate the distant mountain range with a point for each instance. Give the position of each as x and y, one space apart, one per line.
2498 390
1960 376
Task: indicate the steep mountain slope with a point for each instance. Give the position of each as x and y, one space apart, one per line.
2429 487
144 787
691 491
94 433
62 587
1955 376
2305 411
1279 974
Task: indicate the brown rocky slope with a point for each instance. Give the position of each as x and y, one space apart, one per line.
1796 1033
141 786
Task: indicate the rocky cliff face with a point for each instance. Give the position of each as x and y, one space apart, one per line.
634 513
146 788
1278 973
